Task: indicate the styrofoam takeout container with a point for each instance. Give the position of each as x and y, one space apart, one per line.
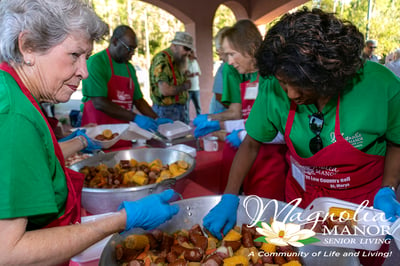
136 132
184 148
375 229
174 130
92 132
91 255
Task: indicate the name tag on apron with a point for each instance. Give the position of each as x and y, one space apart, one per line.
298 174
251 92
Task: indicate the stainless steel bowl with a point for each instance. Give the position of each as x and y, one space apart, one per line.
193 210
102 200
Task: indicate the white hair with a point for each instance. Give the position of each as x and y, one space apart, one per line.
46 24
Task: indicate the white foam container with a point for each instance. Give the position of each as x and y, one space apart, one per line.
136 132
184 148
91 255
174 130
92 132
365 222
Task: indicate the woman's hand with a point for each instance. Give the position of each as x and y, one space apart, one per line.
149 212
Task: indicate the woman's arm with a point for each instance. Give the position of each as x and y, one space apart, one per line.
242 163
55 245
233 112
72 146
391 174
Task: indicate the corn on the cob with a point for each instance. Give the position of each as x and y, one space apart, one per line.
342 212
232 235
137 242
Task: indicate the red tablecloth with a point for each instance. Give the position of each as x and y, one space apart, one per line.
206 177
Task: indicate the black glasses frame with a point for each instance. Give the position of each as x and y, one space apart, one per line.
187 49
129 48
316 124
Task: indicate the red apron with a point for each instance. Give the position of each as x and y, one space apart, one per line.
74 179
266 176
120 91
338 170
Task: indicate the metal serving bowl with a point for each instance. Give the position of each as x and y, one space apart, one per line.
102 200
193 210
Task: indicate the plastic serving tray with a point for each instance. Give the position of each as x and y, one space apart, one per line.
174 130
371 225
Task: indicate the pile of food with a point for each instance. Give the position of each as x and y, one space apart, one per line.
193 248
107 134
131 173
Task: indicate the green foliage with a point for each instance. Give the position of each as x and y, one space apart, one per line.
223 17
384 19
146 20
161 26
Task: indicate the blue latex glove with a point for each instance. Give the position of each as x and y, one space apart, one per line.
149 212
233 139
199 119
91 145
206 127
72 135
222 216
161 121
82 132
385 200
145 122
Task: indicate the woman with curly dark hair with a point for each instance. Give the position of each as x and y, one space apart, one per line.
339 115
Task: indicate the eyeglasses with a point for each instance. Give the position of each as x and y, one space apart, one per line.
187 49
372 47
129 48
316 124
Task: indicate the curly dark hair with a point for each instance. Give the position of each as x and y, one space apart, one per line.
313 50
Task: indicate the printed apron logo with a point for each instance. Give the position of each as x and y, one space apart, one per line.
357 140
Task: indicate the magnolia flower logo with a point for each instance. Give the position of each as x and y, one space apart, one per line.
281 234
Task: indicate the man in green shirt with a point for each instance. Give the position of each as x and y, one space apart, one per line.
169 85
112 89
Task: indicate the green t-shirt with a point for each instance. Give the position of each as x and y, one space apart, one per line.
369 114
231 84
100 73
32 181
160 70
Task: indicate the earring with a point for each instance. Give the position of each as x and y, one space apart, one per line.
28 63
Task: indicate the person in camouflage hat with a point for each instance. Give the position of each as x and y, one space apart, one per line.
169 85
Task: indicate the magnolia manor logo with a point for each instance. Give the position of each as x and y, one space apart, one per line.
364 227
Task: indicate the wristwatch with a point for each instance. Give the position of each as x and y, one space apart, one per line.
83 140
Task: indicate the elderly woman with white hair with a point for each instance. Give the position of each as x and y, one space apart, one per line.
44 45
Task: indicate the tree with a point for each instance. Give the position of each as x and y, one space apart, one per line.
383 24
160 26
